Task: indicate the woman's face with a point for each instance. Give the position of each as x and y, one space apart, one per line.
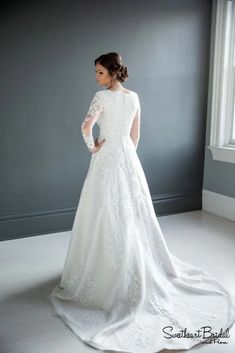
103 77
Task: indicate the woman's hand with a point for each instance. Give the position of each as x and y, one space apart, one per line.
98 145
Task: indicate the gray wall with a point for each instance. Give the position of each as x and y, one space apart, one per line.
219 176
47 83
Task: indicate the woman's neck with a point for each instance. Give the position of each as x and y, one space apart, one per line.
115 87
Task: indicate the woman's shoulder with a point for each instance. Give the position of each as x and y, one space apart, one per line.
108 91
131 92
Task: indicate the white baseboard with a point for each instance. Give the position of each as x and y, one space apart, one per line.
218 204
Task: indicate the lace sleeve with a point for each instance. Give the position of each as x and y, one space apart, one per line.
91 117
135 128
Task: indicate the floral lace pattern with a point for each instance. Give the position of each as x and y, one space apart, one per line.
135 291
138 334
92 115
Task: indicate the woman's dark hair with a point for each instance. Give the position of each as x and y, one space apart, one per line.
114 64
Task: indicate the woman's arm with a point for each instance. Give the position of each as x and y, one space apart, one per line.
92 116
135 128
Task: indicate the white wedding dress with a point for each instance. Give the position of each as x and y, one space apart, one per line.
121 288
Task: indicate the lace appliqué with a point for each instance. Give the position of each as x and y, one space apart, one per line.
134 289
157 308
92 116
87 294
135 128
86 297
69 282
116 249
138 334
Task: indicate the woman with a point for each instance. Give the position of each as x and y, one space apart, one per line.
121 288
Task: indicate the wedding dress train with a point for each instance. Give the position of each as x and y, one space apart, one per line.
121 288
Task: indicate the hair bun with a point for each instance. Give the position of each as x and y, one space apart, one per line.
122 74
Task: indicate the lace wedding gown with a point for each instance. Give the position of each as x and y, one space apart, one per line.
121 288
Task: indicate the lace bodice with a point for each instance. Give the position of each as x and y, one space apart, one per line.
118 116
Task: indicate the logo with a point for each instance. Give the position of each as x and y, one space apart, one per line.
204 333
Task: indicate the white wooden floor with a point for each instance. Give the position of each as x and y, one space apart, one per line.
31 267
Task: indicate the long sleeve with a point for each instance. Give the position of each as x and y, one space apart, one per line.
135 128
91 117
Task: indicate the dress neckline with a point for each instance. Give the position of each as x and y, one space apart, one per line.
117 91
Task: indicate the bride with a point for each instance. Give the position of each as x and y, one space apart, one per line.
121 288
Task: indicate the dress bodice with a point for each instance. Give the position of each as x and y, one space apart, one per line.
114 112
